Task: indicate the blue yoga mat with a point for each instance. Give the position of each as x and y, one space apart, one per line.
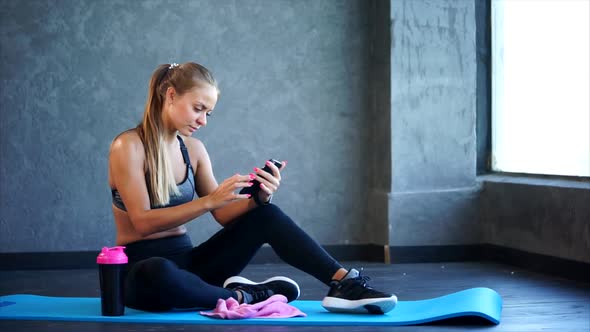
474 302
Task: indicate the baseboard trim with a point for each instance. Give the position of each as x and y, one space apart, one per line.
552 265
62 260
87 259
434 254
557 266
561 267
358 252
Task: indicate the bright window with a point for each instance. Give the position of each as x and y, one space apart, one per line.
541 86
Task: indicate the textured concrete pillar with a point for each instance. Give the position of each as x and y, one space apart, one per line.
433 144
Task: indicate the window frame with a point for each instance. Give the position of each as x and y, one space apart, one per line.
484 91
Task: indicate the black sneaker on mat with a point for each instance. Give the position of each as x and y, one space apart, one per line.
255 292
353 295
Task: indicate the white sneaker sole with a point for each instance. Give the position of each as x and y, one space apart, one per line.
370 306
243 280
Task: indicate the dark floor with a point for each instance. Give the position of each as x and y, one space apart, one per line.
532 302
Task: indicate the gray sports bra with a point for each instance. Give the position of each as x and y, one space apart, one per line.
186 187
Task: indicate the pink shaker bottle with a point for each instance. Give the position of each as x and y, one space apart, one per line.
111 266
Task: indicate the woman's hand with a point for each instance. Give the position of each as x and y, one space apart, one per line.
225 192
269 183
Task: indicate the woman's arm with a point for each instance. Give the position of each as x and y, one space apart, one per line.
205 184
127 157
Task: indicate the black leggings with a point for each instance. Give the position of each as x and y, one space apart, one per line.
169 273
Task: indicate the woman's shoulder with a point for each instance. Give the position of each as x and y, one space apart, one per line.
196 149
127 142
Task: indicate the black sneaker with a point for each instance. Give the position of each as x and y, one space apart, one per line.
255 292
353 295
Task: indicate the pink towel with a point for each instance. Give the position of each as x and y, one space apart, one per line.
275 306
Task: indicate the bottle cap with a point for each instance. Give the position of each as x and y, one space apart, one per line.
113 255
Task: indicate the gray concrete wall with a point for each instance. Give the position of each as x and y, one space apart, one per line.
74 73
433 83
372 103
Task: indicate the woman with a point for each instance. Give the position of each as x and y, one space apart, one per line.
161 178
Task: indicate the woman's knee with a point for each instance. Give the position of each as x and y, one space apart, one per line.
268 217
268 212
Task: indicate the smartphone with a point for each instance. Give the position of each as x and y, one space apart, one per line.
256 184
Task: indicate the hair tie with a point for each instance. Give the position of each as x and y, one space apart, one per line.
173 65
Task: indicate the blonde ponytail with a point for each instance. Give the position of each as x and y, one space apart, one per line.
159 175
